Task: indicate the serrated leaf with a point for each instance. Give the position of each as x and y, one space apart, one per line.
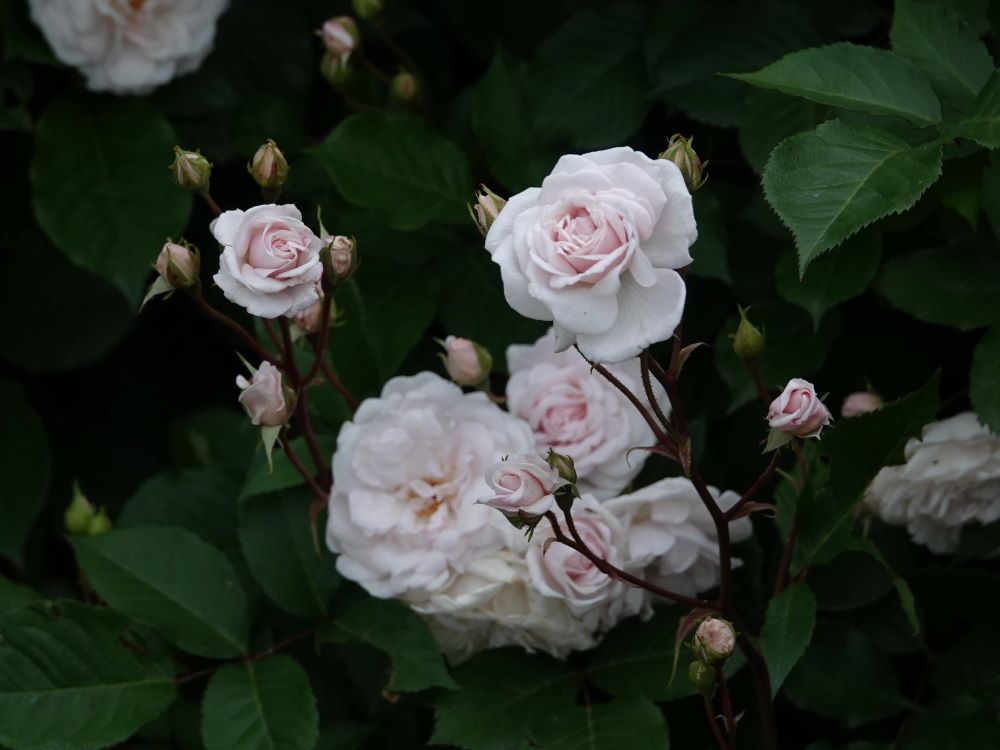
263 705
832 181
399 165
394 628
170 579
951 55
100 186
631 722
788 628
495 687
768 119
25 463
852 76
66 680
984 385
983 123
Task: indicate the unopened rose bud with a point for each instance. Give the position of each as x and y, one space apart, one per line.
680 152
100 524
861 402
467 363
798 410
191 170
702 677
178 265
521 486
748 341
485 210
264 397
268 167
367 8
79 514
335 69
404 86
562 464
309 320
340 36
714 640
339 257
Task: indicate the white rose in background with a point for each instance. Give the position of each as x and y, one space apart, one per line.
270 260
575 411
951 478
129 46
671 536
595 249
409 469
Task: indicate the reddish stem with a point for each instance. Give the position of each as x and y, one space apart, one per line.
301 469
755 488
213 206
727 705
235 327
302 406
319 343
714 724
342 389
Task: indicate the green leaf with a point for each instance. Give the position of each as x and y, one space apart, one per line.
955 722
984 387
934 38
948 286
709 250
788 628
631 722
278 547
850 76
101 189
768 119
170 579
832 181
594 51
262 480
832 278
262 705
25 463
394 628
990 196
13 595
66 680
843 676
400 165
504 695
983 123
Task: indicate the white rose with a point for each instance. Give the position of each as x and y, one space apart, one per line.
408 471
576 411
270 260
129 46
594 250
951 478
560 572
671 535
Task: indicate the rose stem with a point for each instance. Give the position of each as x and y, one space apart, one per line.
302 406
250 659
319 343
300 467
650 396
727 705
213 206
714 724
271 334
235 327
753 367
349 397
756 487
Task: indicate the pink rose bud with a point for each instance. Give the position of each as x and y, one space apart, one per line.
861 402
798 410
367 8
523 486
467 363
268 167
309 320
264 396
178 265
334 69
340 258
340 36
714 640
486 208
404 86
680 152
191 170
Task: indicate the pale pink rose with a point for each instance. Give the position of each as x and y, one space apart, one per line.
340 36
309 320
595 250
798 410
715 639
270 260
464 361
263 396
574 410
861 402
522 486
177 265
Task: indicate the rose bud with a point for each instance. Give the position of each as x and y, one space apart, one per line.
467 363
522 485
702 677
334 69
264 396
562 464
486 209
861 402
79 514
178 265
748 341
269 168
308 320
191 170
404 86
99 524
798 410
339 257
681 153
340 36
714 640
367 8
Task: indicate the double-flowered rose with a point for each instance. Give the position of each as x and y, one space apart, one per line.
270 260
522 486
798 410
129 46
595 250
951 478
574 410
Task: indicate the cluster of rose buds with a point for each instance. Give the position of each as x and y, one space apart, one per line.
714 642
83 519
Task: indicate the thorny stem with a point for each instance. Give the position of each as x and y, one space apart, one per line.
302 406
300 467
756 487
727 705
648 387
235 327
250 659
714 724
